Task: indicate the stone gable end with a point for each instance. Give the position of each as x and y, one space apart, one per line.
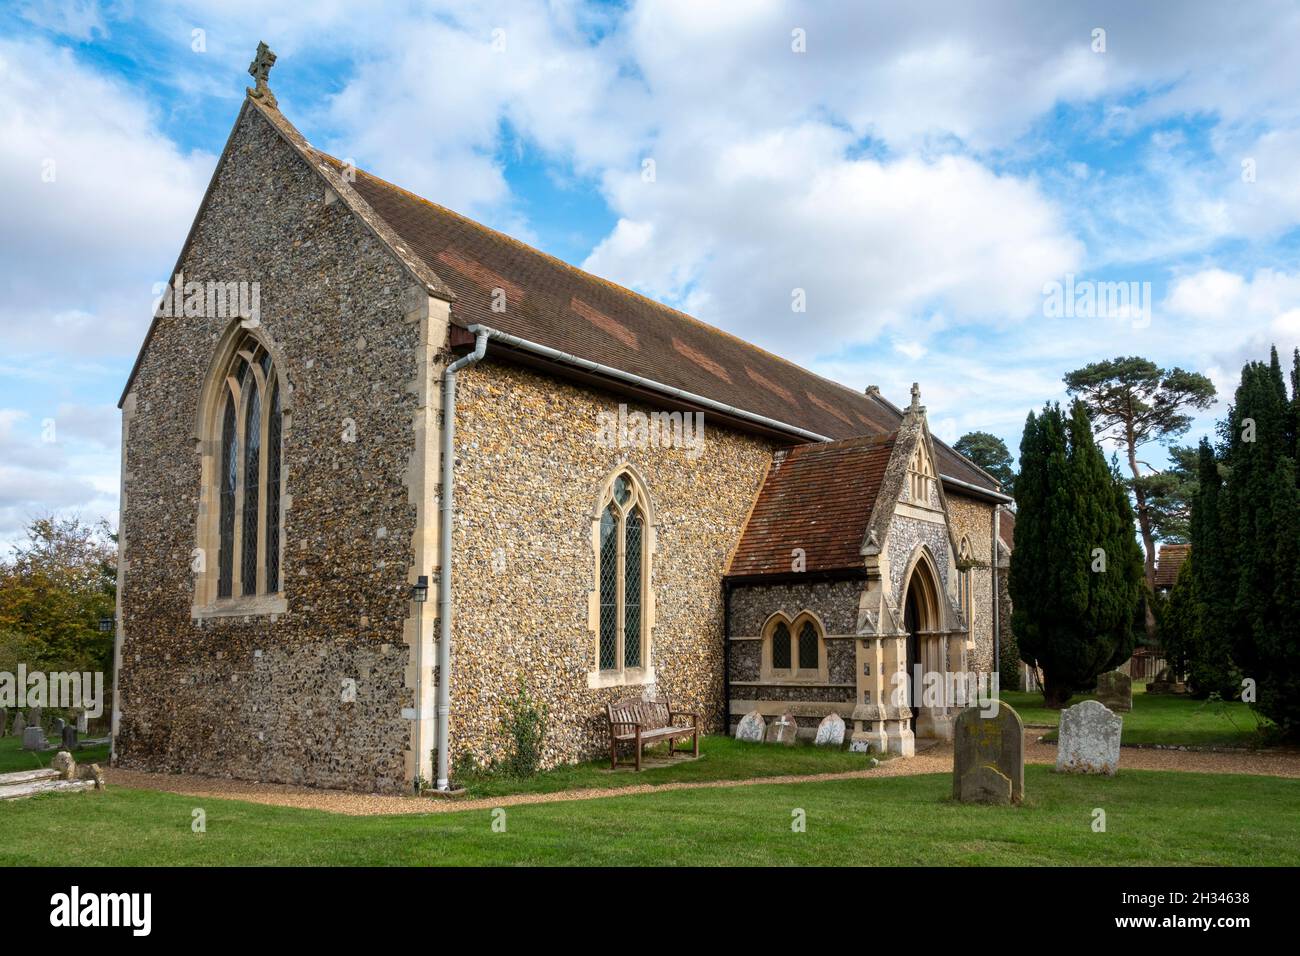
260 697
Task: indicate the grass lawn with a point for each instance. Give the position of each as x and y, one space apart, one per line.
721 758
1160 719
13 757
1152 818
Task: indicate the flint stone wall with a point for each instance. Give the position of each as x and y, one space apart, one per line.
834 602
200 698
975 519
528 476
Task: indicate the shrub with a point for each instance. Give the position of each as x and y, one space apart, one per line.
525 728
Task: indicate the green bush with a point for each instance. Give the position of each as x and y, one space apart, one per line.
525 728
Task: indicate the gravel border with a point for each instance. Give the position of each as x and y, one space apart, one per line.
937 759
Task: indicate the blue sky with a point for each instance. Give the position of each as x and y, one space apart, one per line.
922 173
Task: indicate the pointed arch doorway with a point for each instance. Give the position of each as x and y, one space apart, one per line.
924 624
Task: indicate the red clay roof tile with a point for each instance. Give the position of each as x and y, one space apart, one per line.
562 307
817 497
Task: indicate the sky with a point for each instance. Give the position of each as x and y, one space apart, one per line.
924 174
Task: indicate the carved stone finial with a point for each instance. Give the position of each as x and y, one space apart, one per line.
916 395
259 69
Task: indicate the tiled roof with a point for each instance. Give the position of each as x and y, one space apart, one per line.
1007 527
1169 560
817 497
557 305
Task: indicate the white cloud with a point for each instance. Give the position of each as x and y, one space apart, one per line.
65 476
731 232
97 204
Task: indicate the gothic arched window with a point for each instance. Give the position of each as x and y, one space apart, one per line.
623 577
794 650
244 441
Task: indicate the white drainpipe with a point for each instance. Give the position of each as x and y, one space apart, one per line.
444 548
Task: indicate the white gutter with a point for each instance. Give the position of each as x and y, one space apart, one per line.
997 596
444 548
568 358
976 489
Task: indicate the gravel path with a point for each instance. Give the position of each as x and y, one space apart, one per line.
935 760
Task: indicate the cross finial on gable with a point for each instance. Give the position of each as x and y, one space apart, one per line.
259 70
916 395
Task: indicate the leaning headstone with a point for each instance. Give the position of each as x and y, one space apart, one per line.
751 727
57 725
34 716
20 724
1089 739
830 732
65 765
33 738
783 731
1115 690
82 723
979 742
69 739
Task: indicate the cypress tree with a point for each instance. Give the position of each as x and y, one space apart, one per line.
1178 617
1208 651
1076 570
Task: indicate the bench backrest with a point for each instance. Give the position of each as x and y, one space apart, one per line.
650 714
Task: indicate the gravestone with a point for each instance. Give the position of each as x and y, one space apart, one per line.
81 722
996 742
1089 739
20 724
1115 690
985 784
65 765
784 731
33 738
69 739
751 727
34 716
57 725
4 721
830 732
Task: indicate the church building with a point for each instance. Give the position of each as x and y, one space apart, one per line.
383 467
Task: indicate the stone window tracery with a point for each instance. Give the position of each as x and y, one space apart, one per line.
623 576
240 525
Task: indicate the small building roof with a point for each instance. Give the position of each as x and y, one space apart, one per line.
818 498
1169 561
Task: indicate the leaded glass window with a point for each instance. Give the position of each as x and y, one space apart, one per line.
229 478
808 655
249 474
793 650
273 490
632 589
252 480
622 576
781 647
609 589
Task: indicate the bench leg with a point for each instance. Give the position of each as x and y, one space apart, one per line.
638 750
671 741
695 743
613 753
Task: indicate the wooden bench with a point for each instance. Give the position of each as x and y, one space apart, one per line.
646 721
